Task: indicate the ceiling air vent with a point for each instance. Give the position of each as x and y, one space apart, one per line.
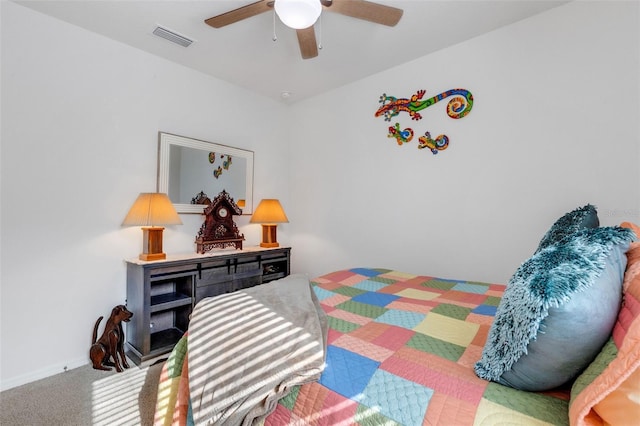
172 36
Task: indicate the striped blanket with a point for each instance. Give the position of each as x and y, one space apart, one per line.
400 351
249 348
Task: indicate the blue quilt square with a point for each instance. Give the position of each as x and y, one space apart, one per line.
365 272
400 318
485 310
471 288
347 373
376 299
322 294
399 399
368 285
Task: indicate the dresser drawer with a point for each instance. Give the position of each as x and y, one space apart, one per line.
206 277
235 274
247 270
216 289
247 282
233 270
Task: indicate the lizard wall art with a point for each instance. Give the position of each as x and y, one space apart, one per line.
459 106
402 136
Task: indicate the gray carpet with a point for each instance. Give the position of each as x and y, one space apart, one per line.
83 397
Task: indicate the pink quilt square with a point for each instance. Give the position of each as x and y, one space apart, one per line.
470 356
403 305
333 335
310 400
419 282
497 288
280 416
444 409
423 302
353 280
392 288
337 410
479 319
330 285
337 276
371 331
481 335
364 348
394 338
335 300
462 297
440 381
349 316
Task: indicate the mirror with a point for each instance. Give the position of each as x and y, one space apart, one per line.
188 166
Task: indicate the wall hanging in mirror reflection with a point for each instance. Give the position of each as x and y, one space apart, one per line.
226 163
458 107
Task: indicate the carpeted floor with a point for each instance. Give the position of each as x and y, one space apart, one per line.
83 397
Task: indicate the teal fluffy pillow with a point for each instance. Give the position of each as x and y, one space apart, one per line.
557 311
570 223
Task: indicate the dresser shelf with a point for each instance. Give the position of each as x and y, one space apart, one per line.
166 301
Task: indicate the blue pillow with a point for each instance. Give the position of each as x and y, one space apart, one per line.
557 311
570 223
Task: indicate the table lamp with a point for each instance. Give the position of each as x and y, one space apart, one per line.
269 213
152 210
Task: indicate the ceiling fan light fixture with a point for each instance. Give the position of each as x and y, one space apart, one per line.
298 14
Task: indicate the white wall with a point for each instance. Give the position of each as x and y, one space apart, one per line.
555 125
80 122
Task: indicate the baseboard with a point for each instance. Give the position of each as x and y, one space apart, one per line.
49 371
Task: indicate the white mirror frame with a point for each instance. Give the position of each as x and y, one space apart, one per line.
166 140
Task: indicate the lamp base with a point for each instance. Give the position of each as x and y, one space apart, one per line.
150 257
269 236
269 245
152 244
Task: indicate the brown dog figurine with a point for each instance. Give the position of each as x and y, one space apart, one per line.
111 343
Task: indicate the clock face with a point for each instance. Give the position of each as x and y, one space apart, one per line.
223 212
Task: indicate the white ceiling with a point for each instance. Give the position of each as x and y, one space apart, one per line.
245 54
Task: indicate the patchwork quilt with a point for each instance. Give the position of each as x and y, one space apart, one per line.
400 351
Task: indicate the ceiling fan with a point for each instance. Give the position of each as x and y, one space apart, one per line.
359 9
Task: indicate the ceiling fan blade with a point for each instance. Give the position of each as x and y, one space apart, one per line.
239 14
307 42
366 10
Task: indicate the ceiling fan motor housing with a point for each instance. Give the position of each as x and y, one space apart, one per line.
298 14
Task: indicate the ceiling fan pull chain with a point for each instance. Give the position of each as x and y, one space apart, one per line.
275 37
320 33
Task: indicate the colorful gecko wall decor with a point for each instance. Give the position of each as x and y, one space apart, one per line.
440 143
402 136
458 107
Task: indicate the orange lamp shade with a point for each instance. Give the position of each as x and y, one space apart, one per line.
152 210
269 213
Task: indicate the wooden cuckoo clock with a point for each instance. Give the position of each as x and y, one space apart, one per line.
219 230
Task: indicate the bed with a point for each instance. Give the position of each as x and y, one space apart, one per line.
384 347
392 334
